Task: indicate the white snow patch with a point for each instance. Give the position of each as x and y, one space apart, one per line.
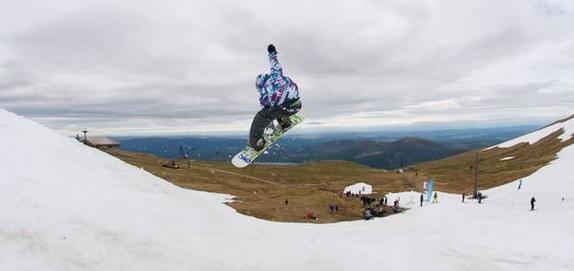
359 189
507 158
65 206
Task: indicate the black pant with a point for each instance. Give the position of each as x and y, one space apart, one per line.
265 117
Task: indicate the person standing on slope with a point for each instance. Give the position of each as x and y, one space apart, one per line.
532 201
422 199
279 97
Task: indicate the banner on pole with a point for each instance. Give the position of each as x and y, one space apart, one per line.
429 187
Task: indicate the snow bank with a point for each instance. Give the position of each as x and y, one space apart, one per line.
65 206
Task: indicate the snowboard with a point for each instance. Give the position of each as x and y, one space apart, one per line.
272 133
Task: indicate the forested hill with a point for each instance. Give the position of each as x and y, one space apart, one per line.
380 154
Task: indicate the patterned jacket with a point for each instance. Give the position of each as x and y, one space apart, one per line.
274 88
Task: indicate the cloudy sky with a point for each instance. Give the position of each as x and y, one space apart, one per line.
132 67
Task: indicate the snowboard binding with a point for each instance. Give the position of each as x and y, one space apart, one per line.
271 134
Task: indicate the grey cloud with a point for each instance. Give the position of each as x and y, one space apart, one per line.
110 65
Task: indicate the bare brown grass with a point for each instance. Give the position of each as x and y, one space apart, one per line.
261 190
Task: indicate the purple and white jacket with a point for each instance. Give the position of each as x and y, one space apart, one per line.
274 88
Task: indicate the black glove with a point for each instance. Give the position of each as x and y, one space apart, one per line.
271 49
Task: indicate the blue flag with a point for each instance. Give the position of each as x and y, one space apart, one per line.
430 185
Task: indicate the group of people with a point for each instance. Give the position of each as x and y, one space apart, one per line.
311 215
350 194
333 208
434 200
367 201
479 197
373 207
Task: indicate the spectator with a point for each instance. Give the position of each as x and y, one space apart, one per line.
435 198
463 197
422 199
311 215
367 214
479 197
333 208
396 206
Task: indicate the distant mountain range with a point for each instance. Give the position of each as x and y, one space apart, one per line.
380 154
387 150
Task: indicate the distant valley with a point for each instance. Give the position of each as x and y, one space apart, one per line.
388 150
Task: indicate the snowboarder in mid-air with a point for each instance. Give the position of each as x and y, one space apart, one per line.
279 97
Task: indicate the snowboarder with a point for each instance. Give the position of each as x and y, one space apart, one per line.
435 198
279 97
532 201
519 184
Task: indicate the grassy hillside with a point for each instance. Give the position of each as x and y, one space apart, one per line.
260 190
456 173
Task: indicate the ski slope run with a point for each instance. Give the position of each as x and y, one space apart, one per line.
64 206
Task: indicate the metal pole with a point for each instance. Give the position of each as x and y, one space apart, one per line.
475 175
85 131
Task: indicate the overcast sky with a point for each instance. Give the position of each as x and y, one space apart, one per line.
118 67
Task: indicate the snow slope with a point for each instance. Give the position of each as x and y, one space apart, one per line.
567 126
64 206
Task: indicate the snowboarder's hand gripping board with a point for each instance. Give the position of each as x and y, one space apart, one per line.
248 155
